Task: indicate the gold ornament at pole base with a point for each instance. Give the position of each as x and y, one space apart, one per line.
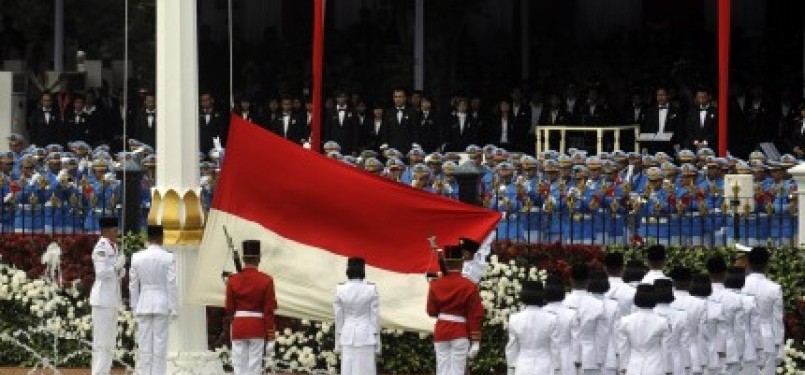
181 218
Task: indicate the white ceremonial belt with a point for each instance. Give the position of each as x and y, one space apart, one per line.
452 318
248 314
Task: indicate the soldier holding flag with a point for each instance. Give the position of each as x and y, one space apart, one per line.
454 300
250 302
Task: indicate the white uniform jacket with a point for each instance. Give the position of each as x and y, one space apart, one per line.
356 310
533 346
652 275
568 323
106 288
730 340
152 282
592 330
769 297
623 293
752 337
643 338
680 337
696 310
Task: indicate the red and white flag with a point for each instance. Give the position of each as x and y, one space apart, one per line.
311 213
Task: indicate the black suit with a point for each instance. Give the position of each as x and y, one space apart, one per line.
402 123
142 131
702 131
673 119
794 135
375 135
493 132
77 126
457 138
296 127
342 131
428 133
44 127
521 124
251 116
210 125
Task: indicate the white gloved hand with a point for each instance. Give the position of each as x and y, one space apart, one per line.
270 345
378 348
120 262
474 348
337 348
510 371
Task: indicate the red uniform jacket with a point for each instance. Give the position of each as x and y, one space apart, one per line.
252 291
456 295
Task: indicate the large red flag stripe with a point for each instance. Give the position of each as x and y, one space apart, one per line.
312 212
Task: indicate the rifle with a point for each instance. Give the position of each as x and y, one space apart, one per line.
235 255
439 257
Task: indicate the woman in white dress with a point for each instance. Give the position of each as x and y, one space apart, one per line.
533 347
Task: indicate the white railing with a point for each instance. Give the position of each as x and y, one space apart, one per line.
543 134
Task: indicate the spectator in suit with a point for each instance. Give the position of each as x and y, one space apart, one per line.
462 130
377 131
289 124
428 134
401 121
211 123
145 121
44 125
244 108
340 124
663 117
795 133
78 123
702 123
500 128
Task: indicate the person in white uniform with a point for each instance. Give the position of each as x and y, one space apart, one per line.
568 321
592 329
735 281
655 255
680 336
154 301
712 323
357 323
643 338
598 287
696 309
533 346
769 297
475 254
619 291
109 265
729 339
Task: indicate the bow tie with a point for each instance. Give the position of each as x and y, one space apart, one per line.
149 113
664 106
400 109
342 109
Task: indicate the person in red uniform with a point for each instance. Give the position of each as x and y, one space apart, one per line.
454 301
250 304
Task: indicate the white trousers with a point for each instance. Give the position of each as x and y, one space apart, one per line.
152 344
247 356
358 360
451 356
104 339
750 368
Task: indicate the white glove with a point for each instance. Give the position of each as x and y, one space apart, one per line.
378 348
270 347
510 371
120 262
474 348
337 348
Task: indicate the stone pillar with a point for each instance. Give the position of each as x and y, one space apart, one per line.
175 203
798 174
